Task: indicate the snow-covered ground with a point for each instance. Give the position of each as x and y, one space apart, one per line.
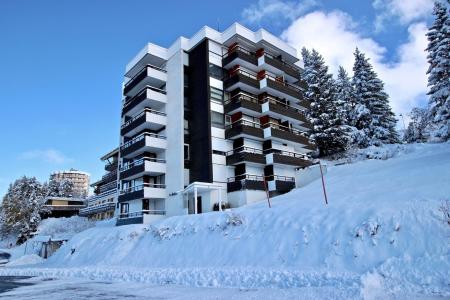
381 236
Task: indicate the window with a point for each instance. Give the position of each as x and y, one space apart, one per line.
227 120
217 120
186 127
215 71
216 95
124 208
186 152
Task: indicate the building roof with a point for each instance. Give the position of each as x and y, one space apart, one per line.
110 154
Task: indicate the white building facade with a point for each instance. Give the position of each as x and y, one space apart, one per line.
217 120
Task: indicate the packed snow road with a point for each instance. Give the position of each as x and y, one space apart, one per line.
39 288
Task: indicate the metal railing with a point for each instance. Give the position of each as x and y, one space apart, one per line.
238 48
246 177
283 128
140 162
144 69
275 101
286 153
140 138
95 207
146 110
141 187
244 123
288 65
139 214
242 96
244 149
283 82
128 100
242 72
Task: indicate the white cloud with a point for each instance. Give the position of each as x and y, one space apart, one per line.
48 156
335 36
405 11
276 10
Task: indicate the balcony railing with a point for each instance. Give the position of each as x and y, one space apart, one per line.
142 113
244 122
141 95
140 76
275 101
139 214
282 82
140 162
288 68
287 153
141 187
284 128
97 208
240 71
140 138
241 96
280 178
236 49
244 149
246 177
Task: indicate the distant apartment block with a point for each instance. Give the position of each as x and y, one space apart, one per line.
79 179
216 118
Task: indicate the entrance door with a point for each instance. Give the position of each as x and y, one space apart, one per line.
145 204
199 204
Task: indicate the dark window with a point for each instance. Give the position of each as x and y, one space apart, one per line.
215 71
186 151
124 208
217 120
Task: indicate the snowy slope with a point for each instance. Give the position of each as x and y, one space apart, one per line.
382 230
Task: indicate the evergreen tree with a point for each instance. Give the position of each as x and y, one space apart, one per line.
416 128
373 114
21 208
60 188
326 115
439 73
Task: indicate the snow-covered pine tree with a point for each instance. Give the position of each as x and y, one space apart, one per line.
60 188
329 131
374 115
416 128
21 208
439 73
345 95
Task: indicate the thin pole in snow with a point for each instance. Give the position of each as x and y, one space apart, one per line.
323 184
267 192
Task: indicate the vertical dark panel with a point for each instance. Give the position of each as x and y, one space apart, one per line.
200 117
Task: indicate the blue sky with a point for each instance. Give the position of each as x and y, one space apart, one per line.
62 62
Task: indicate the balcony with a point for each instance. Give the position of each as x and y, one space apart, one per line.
147 119
244 128
143 166
243 80
285 134
143 191
110 177
140 217
245 182
245 154
109 167
149 75
148 97
244 103
280 88
239 56
98 208
281 110
280 184
278 66
146 142
276 156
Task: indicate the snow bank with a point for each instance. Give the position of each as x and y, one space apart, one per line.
64 226
382 230
29 259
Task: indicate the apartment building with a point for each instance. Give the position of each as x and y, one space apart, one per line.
217 118
102 204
